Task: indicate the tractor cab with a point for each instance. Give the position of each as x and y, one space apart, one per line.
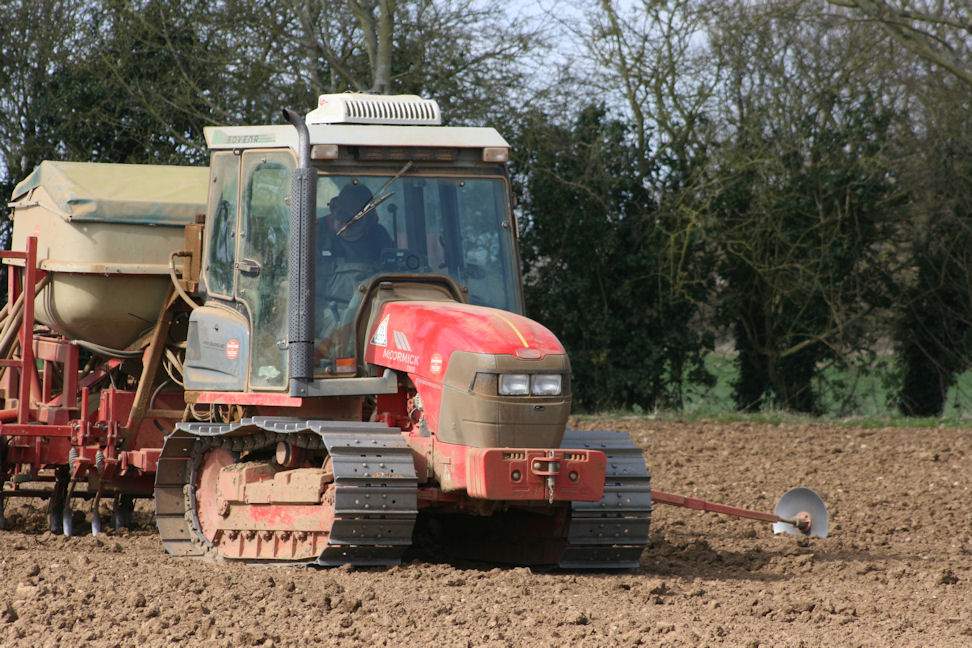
398 199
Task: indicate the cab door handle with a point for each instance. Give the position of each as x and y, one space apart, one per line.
249 267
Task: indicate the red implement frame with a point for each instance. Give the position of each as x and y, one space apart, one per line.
28 378
47 429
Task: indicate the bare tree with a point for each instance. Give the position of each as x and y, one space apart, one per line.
463 52
377 21
940 32
649 57
650 61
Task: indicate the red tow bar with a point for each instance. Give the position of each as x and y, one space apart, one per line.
807 522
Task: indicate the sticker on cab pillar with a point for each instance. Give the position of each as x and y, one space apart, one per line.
380 338
233 349
435 363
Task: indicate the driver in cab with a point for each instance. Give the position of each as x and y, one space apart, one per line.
362 240
351 245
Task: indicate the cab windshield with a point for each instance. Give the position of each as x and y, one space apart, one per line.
457 227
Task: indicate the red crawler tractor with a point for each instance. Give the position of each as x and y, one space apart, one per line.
337 365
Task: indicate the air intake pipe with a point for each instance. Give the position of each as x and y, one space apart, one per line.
303 244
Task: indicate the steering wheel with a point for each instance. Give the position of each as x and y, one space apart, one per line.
401 260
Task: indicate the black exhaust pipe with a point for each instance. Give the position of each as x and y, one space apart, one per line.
303 246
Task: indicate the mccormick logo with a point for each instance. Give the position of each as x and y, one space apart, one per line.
400 356
401 341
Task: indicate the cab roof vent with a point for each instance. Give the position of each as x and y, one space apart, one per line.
349 108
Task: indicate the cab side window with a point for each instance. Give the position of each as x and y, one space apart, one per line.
221 228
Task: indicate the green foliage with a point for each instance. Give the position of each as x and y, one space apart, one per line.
137 94
935 330
801 222
861 393
602 264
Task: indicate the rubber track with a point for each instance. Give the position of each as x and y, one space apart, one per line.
610 533
374 476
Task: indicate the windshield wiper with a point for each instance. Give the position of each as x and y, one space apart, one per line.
374 202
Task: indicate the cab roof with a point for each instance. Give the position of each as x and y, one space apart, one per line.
358 119
242 137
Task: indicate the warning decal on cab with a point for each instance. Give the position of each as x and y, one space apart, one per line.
233 349
380 338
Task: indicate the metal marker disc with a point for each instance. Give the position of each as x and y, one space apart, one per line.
802 500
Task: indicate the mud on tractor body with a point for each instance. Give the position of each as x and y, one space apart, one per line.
333 363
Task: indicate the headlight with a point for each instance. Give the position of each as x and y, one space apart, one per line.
546 384
514 385
536 384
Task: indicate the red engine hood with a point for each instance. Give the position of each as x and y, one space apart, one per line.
419 336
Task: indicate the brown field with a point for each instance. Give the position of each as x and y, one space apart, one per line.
895 571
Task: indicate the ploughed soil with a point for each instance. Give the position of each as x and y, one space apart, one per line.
896 569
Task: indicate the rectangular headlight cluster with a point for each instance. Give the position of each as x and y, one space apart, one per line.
526 384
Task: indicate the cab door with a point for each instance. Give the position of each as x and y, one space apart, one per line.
262 262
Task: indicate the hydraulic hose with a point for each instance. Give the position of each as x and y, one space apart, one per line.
175 280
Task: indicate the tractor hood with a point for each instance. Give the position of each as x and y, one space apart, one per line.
419 337
455 354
